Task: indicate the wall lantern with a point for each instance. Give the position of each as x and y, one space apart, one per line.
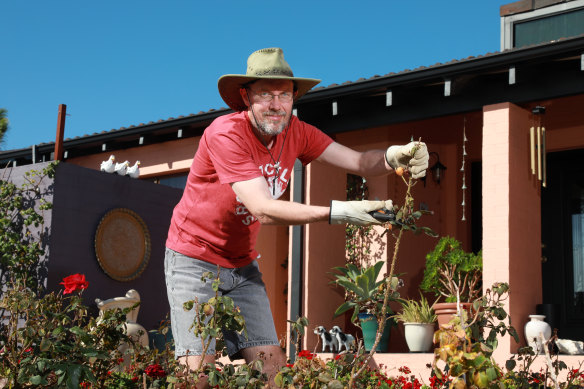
437 169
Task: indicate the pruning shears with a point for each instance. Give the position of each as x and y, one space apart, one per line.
383 215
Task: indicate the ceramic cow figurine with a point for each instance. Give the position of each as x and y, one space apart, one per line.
346 340
328 340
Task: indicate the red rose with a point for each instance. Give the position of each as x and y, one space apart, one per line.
155 371
74 282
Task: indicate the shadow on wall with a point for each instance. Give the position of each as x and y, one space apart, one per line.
82 197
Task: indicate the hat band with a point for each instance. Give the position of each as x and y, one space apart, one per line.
274 72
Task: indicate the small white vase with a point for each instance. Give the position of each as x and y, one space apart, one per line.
533 329
419 336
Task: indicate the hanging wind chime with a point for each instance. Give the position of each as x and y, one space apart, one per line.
462 169
537 146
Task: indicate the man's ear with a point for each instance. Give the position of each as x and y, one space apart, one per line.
244 96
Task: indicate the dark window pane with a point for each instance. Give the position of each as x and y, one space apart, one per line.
178 181
549 28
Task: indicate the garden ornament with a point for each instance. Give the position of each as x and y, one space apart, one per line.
108 166
328 340
346 340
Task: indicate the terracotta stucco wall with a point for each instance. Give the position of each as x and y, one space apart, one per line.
511 214
324 248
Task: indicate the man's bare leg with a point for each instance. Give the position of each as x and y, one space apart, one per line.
273 356
191 362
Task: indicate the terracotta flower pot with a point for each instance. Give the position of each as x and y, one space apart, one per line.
446 311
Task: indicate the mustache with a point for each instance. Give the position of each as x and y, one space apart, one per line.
271 113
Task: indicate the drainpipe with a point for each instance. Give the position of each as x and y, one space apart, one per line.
295 303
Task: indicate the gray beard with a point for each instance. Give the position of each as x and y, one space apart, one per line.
267 128
270 129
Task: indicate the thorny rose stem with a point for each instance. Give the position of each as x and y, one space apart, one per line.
383 318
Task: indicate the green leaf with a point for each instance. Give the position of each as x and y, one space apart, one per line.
344 308
510 364
365 291
188 305
492 374
352 287
480 379
45 345
77 331
479 360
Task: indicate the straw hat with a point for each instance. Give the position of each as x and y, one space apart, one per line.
262 64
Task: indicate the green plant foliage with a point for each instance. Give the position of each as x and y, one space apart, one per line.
59 344
466 345
414 311
297 330
364 289
23 236
309 371
4 124
451 271
215 315
49 340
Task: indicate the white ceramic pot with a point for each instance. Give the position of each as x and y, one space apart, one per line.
133 329
419 336
533 328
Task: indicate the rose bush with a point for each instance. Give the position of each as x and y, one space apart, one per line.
50 340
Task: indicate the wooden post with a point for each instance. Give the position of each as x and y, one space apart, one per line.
60 132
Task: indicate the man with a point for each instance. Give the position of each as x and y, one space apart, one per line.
241 168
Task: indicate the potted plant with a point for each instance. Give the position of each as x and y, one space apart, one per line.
419 319
454 275
364 291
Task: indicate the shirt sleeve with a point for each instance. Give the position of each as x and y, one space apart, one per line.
314 144
230 157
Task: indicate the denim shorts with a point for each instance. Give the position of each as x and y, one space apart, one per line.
244 285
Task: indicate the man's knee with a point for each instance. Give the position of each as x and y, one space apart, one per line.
193 362
267 353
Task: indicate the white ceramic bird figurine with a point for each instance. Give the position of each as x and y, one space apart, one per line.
134 171
108 166
121 168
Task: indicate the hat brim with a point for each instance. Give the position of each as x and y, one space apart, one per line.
230 84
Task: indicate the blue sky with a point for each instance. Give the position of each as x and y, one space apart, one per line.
121 63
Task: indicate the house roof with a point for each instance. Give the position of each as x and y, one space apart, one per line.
520 75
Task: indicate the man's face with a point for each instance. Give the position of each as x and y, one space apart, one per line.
272 102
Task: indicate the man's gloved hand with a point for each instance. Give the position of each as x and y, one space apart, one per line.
401 156
356 212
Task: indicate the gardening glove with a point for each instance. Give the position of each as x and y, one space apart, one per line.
356 212
401 156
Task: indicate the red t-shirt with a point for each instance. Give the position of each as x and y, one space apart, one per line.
209 223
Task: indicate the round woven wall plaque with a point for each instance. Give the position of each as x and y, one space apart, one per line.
122 244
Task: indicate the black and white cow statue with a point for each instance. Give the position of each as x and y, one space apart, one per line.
343 340
328 340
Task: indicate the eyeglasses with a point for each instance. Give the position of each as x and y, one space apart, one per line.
284 97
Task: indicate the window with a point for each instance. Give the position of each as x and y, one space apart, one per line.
175 181
546 24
